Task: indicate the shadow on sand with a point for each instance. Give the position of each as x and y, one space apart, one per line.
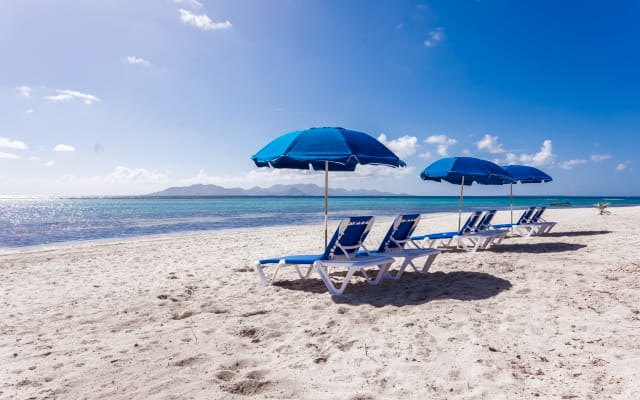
576 233
414 288
553 247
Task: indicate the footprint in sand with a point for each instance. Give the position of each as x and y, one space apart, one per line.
190 361
252 383
225 375
247 387
363 397
184 315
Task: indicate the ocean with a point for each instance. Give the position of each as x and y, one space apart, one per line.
39 221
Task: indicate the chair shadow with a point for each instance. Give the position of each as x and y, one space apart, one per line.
414 288
553 247
576 233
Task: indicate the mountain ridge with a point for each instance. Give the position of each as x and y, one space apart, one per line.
306 189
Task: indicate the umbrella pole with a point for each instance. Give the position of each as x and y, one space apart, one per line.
460 208
326 200
511 203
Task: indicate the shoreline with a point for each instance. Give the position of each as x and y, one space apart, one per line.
195 233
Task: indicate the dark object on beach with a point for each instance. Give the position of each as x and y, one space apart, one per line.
602 208
560 204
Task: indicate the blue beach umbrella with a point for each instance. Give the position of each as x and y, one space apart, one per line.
328 149
524 174
464 171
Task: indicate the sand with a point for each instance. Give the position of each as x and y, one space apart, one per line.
553 317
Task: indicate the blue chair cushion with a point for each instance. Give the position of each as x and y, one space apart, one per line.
295 259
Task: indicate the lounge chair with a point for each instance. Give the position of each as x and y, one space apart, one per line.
539 225
394 245
521 223
484 227
340 252
530 223
466 237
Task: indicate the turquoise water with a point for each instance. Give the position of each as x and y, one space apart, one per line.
27 222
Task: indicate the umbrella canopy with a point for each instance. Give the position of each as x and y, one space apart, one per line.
328 149
464 171
524 174
527 174
341 148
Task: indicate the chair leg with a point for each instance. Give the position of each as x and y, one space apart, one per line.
427 263
306 274
268 280
405 261
322 271
260 271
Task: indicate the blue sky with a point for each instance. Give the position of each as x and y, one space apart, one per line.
128 97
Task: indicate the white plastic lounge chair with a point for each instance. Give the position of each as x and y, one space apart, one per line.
484 227
465 238
395 242
520 227
539 226
340 252
530 223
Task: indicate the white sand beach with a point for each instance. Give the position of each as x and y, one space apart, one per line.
185 317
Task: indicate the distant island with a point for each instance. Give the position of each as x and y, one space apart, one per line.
275 190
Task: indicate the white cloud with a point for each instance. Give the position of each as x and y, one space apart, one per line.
29 111
572 163
136 175
443 143
12 144
120 175
378 172
34 158
49 163
490 143
426 155
202 21
191 3
69 95
24 91
262 177
9 156
622 166
542 158
403 146
466 152
435 37
600 157
266 177
64 148
132 60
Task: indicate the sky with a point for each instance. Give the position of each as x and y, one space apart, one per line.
115 97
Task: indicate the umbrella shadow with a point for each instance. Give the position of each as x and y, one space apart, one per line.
576 233
413 289
553 247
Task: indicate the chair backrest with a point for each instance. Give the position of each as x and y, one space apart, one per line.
470 223
536 216
348 238
526 216
399 233
485 221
